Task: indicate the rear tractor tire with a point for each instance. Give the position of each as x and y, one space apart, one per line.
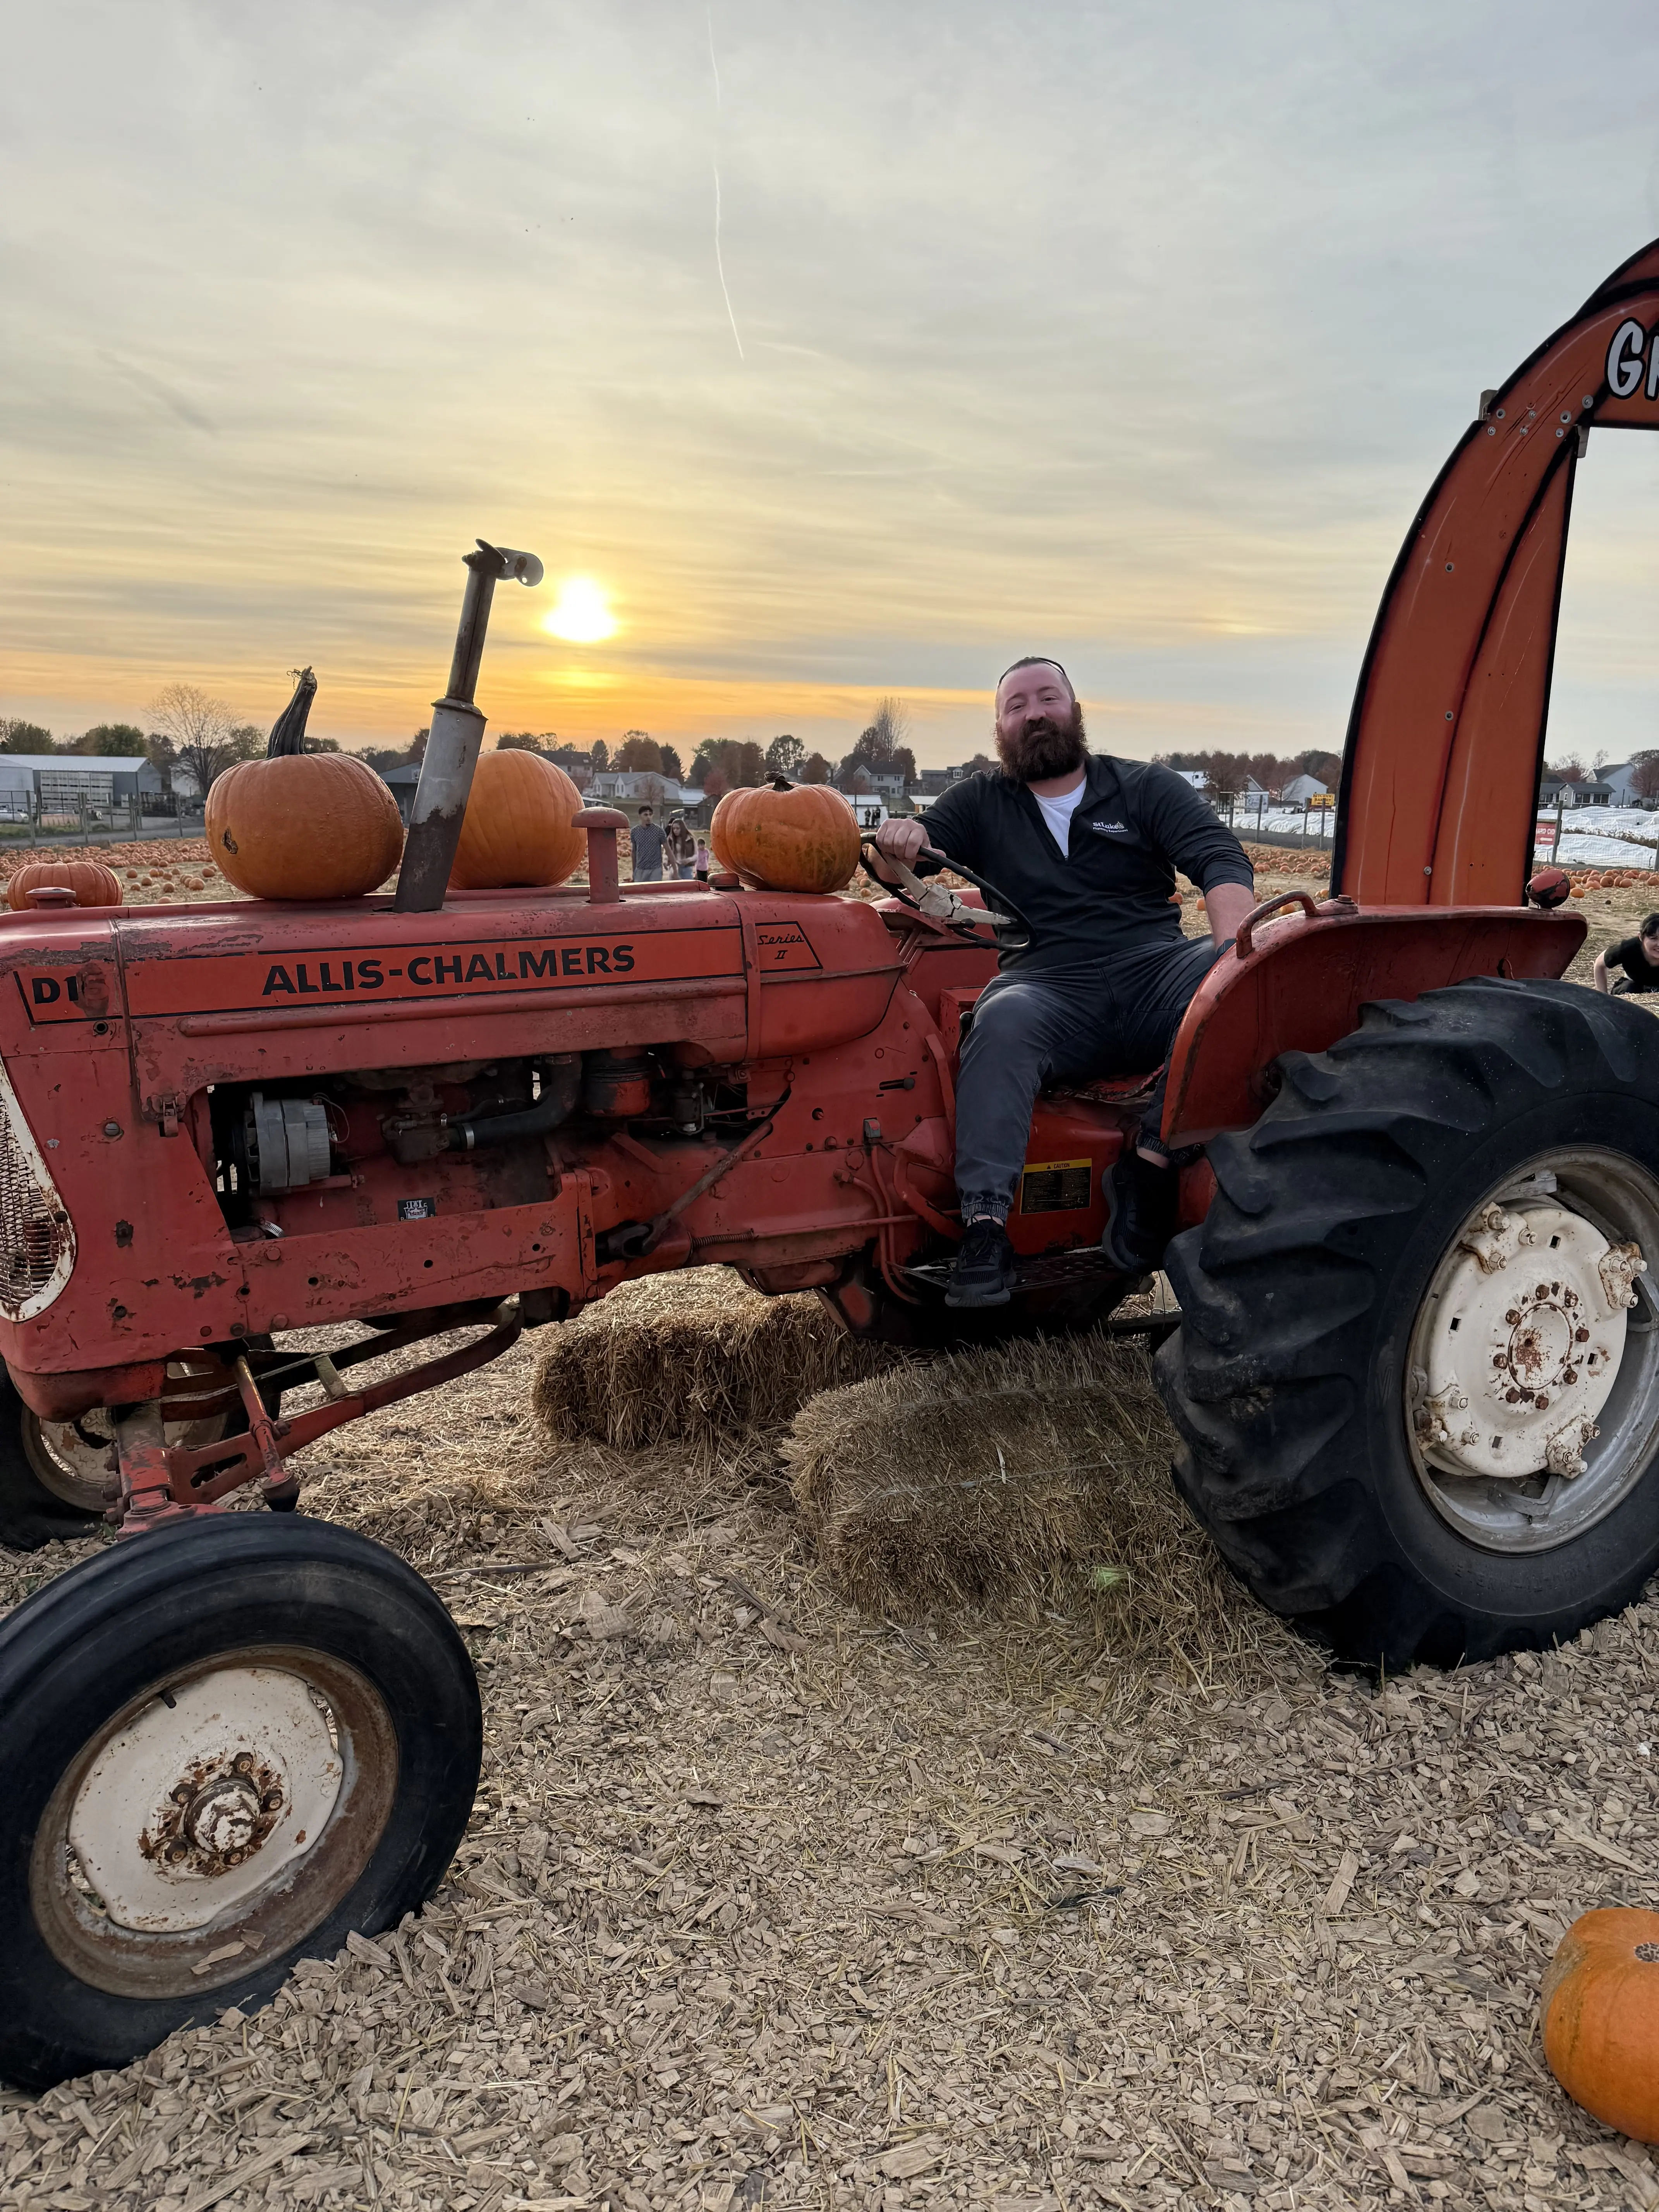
223 1747
1417 1378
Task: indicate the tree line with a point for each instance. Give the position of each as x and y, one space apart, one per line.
719 764
192 730
1228 774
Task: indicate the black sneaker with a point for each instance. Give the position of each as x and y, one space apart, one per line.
984 1272
1142 1220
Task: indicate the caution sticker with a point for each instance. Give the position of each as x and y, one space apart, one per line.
1055 1185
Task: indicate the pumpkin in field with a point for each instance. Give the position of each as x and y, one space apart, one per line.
1601 2018
93 884
299 825
517 828
786 836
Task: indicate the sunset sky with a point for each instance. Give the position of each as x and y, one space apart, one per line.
1132 332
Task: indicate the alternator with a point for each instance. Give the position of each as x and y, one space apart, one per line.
286 1143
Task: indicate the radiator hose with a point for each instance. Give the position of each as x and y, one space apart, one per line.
561 1083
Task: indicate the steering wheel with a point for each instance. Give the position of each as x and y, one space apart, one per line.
968 929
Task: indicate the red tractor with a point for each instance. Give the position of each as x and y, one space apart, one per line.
1416 1375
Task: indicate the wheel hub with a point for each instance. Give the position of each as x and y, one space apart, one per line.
204 1798
215 1822
1523 1344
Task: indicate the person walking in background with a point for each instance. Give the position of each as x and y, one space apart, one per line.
700 861
1638 956
646 842
679 845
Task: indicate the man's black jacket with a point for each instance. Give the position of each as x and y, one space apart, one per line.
1135 824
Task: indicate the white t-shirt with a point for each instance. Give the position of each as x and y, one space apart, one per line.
1058 812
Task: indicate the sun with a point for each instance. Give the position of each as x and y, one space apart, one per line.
583 614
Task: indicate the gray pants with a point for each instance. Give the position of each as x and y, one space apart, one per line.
648 871
1064 1025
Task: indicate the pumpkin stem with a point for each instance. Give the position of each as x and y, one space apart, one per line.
288 733
781 783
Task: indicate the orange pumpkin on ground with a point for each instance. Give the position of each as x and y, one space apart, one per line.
517 826
93 884
1601 2018
299 825
786 836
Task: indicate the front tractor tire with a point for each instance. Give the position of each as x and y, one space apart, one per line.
1417 1378
223 1747
57 1476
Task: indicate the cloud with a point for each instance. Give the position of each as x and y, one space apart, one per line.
1138 330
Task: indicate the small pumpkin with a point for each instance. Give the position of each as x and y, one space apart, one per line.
93 884
1601 2018
784 836
299 825
517 828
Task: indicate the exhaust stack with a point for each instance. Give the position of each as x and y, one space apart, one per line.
457 733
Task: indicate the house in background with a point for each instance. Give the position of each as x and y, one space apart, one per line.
401 782
1303 790
933 782
1620 779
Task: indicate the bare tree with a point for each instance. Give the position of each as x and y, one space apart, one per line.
1644 776
208 740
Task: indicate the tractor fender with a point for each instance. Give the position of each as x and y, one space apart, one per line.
1299 985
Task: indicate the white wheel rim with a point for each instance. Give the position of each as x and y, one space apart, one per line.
275 1766
202 1800
1532 1379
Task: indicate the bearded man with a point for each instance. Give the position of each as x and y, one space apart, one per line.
1087 847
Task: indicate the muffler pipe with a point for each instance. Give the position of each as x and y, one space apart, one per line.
453 742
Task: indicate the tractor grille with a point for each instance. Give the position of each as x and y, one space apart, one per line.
37 1244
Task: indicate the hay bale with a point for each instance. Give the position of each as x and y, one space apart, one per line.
692 1354
1026 1470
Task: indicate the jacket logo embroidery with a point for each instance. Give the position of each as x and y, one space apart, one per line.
1110 829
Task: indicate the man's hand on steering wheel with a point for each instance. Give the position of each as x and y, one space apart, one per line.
902 838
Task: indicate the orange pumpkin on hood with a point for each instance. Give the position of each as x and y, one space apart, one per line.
518 824
93 884
786 836
299 825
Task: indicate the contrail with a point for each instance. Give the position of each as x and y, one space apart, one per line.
719 265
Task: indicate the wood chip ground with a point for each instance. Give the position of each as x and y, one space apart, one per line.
765 1900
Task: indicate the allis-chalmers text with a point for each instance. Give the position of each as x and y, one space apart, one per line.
528 963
